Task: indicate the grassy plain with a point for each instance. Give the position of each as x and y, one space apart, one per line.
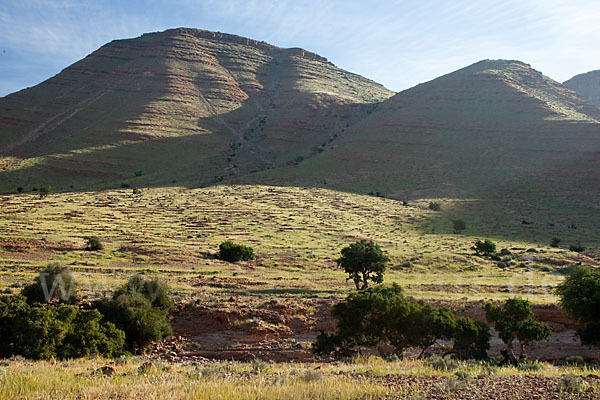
297 234
276 303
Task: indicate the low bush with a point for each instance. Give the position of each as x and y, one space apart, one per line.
93 243
55 282
458 225
233 252
141 309
484 248
433 206
45 331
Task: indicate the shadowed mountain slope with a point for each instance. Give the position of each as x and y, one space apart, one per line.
186 105
587 85
494 130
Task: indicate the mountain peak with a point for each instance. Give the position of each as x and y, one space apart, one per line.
193 33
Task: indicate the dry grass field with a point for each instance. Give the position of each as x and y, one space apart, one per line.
272 307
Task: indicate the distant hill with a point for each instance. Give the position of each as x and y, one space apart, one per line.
182 105
587 85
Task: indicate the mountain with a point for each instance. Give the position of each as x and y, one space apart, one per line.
587 85
496 130
182 105
191 107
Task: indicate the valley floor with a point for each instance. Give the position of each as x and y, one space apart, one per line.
272 308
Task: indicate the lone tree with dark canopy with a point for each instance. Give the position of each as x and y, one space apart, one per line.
514 320
363 261
580 297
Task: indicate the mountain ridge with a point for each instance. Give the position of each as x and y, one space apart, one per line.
196 108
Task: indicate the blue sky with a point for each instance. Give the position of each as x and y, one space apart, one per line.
397 43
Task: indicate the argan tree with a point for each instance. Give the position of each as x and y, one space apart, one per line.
514 320
363 261
580 297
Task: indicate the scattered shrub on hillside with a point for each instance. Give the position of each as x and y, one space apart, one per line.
363 261
138 173
484 248
53 282
93 243
580 297
19 189
514 320
554 242
44 191
433 206
233 252
577 247
141 309
45 331
459 225
136 191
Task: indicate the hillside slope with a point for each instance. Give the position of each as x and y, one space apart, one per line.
184 104
587 85
494 130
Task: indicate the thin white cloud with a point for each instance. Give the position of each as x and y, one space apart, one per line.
397 43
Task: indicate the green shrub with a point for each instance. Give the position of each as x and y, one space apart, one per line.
471 339
87 335
141 309
529 366
44 191
53 282
572 384
93 243
514 320
580 297
45 331
433 206
443 364
575 360
363 261
233 252
577 247
484 248
554 242
20 189
459 225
